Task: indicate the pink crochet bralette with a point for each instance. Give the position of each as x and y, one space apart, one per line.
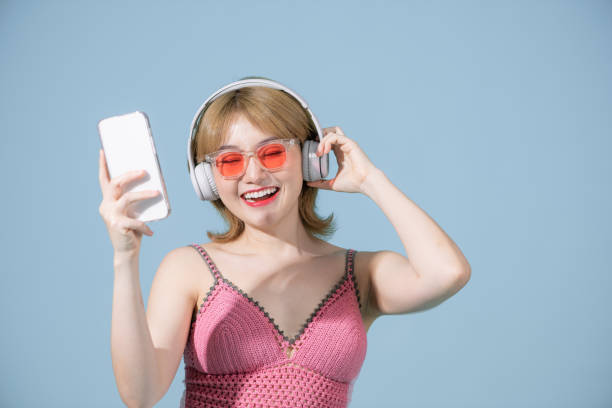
237 356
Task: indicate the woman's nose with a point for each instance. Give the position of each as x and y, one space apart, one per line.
254 170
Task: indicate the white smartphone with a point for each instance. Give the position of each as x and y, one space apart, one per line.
128 145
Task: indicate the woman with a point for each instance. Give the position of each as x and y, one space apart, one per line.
252 312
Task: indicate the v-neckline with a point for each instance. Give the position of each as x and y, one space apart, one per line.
256 303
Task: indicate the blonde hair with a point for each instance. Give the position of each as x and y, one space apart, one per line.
274 112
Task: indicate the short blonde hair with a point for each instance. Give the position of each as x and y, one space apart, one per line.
274 112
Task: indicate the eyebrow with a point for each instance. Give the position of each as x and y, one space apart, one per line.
262 142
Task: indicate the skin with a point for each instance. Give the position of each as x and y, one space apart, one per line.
274 228
288 272
274 260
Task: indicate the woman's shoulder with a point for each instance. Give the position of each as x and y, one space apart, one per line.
188 260
179 269
184 253
193 251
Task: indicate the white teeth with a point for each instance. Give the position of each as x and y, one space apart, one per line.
260 193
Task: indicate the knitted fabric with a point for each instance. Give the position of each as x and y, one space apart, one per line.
237 356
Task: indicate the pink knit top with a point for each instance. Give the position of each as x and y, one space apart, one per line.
236 355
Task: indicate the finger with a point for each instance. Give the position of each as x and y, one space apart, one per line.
102 171
132 196
117 183
322 144
326 145
134 224
127 177
322 184
342 144
139 226
336 129
329 129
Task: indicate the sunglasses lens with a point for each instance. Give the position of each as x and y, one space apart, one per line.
230 164
272 156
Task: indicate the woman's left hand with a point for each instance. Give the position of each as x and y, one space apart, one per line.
353 164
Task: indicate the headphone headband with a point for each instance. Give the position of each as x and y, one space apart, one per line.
313 167
243 83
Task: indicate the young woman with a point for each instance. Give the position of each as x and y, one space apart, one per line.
268 313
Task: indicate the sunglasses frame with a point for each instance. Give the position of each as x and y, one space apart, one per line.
212 157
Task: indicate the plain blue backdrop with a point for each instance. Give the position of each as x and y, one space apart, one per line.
494 117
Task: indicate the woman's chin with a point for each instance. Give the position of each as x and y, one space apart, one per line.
267 221
265 217
264 222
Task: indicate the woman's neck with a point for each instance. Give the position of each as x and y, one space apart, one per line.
288 243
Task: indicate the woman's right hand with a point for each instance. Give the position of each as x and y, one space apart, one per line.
125 232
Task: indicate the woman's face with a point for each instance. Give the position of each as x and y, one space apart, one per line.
288 179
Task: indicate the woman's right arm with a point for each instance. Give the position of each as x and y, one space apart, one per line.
132 350
146 348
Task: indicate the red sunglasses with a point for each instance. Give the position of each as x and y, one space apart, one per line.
231 164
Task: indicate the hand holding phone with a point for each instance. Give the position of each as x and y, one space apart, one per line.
125 232
128 199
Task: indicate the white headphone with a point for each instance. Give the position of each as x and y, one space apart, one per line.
313 168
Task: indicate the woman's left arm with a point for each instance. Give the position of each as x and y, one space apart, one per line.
435 268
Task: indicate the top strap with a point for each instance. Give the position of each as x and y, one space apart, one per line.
349 270
211 265
348 261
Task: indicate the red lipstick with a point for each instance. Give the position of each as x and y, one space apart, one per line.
262 202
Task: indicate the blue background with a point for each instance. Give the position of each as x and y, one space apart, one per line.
493 117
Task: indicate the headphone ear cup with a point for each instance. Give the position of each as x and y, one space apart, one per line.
205 182
314 168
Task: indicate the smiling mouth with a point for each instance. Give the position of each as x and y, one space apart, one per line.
255 199
263 200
